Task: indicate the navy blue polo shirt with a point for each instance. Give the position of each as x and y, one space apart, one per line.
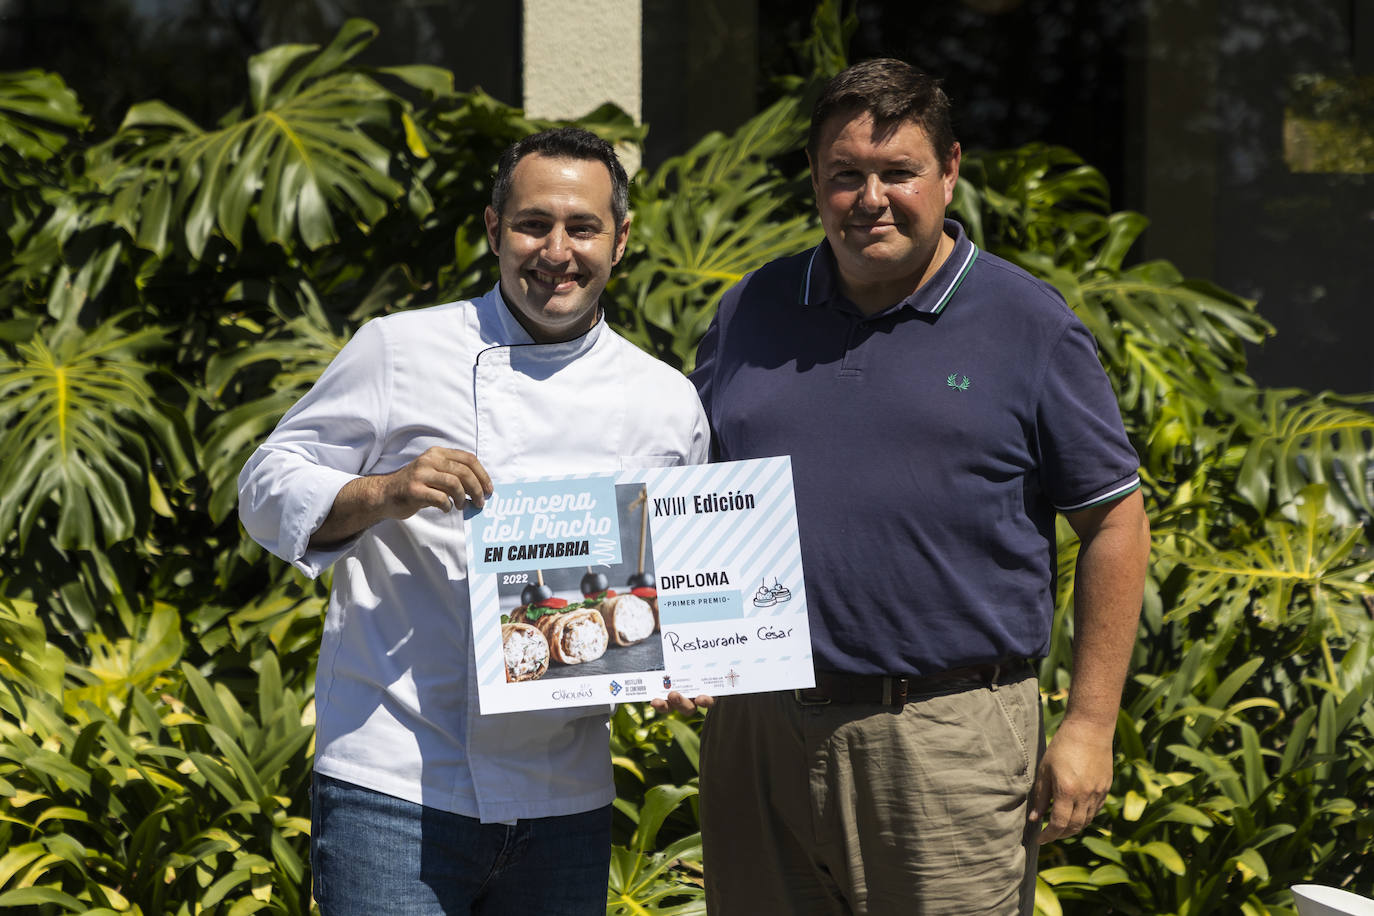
931 446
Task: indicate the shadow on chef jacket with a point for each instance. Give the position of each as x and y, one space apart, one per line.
539 361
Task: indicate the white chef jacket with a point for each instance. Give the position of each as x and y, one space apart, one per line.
395 690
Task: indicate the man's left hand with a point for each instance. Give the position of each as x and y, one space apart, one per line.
1073 780
676 702
1076 772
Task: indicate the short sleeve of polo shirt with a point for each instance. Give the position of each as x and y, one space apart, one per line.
1085 456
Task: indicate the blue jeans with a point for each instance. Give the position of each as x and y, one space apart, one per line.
373 854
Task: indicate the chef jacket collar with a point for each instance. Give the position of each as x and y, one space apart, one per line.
511 333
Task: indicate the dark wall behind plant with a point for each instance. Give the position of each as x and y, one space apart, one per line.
1181 104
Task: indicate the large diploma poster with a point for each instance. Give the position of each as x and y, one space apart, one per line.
622 587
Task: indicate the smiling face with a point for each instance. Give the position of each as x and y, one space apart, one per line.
556 241
882 193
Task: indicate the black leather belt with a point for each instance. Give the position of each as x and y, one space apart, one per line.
889 690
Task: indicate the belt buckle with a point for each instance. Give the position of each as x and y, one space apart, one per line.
894 691
804 701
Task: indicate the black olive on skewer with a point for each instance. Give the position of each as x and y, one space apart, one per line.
535 592
594 583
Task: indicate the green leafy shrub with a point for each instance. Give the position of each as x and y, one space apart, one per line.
172 288
148 789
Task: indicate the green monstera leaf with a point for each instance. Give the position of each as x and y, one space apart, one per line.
1308 571
39 118
645 881
1293 440
297 162
83 435
296 355
38 113
702 222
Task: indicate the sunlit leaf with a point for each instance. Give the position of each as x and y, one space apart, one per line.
77 419
1293 441
1279 575
298 161
38 113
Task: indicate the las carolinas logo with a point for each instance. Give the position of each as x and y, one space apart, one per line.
581 693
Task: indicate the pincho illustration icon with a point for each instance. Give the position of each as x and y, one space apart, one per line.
767 597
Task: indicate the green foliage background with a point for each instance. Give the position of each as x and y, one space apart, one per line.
171 288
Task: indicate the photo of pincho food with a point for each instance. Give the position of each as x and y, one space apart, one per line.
575 633
570 622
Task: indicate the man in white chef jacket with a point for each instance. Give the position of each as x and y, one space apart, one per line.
420 804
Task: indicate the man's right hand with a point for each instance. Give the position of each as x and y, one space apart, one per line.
442 478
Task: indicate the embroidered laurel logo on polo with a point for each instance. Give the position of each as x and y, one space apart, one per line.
953 382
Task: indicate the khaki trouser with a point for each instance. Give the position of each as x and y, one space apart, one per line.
866 809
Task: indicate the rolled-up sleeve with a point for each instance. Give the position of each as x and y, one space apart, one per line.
329 437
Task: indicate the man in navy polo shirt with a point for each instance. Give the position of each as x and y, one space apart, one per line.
940 406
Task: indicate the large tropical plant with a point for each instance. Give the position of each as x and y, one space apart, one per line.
1251 682
172 287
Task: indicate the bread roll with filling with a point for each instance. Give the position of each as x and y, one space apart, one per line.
629 619
526 651
575 636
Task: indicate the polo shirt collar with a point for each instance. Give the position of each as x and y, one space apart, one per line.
821 279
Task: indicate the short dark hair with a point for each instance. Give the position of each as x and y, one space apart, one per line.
892 92
564 143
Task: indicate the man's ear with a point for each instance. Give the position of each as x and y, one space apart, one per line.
950 178
493 229
622 236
